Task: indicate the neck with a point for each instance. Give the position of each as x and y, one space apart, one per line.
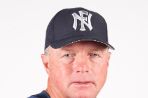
53 91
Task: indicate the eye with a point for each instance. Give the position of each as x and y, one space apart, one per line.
68 55
94 55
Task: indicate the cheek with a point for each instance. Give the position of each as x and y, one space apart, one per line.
101 74
59 74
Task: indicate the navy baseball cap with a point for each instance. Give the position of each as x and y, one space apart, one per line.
76 24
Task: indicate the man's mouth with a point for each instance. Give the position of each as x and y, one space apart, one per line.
83 83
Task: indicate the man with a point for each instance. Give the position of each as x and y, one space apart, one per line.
76 54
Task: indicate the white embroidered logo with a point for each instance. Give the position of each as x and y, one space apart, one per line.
84 20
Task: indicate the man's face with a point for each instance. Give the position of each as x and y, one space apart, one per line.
76 71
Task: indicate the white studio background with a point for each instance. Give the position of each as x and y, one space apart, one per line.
22 33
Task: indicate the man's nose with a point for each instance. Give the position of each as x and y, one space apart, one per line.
81 64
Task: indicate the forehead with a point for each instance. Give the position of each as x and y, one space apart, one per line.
85 44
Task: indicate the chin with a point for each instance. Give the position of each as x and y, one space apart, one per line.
82 94
82 91
85 96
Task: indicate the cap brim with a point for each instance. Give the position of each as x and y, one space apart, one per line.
71 40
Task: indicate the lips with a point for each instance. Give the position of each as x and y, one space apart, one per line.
83 83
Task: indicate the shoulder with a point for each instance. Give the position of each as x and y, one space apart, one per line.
43 94
33 97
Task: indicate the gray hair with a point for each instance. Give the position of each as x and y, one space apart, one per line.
46 51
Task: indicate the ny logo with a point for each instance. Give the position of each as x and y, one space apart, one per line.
84 20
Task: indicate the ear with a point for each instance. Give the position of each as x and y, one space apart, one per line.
109 54
45 61
108 57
